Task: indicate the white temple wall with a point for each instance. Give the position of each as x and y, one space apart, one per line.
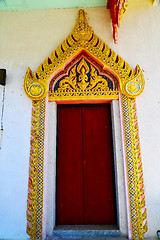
26 39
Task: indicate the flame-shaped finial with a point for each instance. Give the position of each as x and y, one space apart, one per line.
82 30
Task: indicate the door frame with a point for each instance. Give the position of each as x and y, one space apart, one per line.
118 169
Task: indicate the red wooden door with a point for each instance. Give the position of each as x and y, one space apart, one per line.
85 178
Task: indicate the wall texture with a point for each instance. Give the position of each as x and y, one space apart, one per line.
26 39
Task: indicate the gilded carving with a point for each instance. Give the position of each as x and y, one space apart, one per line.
135 86
83 38
35 89
138 215
35 183
84 80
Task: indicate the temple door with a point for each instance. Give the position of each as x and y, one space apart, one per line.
85 175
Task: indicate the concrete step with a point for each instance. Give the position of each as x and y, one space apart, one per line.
86 232
88 238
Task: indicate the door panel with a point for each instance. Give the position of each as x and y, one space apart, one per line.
98 188
69 167
85 181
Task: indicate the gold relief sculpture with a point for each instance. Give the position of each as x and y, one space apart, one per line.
34 89
80 85
83 38
96 81
83 69
84 81
70 80
135 86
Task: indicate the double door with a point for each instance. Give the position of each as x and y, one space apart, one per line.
85 176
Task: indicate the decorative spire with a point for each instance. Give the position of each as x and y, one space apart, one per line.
82 30
117 9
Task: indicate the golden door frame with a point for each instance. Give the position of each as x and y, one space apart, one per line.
57 79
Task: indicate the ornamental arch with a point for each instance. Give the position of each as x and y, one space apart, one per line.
84 69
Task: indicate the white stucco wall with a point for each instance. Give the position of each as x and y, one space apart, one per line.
26 39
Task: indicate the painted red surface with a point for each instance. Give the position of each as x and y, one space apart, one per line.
116 11
85 181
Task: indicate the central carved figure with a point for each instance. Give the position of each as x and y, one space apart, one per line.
79 80
83 69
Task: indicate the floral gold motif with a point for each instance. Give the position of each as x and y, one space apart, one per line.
80 85
36 90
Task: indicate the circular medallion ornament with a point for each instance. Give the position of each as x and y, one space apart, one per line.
132 87
36 90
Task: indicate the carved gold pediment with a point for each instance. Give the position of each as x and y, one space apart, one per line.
131 82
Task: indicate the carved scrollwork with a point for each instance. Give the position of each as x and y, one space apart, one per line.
83 80
135 86
34 89
96 81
